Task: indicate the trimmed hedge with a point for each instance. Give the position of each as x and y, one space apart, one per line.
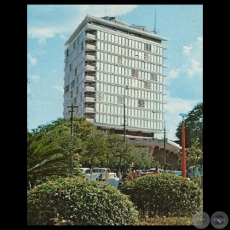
164 194
79 202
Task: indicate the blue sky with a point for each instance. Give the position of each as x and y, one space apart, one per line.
49 27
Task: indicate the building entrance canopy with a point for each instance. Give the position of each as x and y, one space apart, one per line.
153 142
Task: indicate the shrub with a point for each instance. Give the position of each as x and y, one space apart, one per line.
164 194
78 202
198 180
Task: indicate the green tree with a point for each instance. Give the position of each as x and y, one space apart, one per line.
95 150
142 159
195 156
44 156
193 127
50 148
121 151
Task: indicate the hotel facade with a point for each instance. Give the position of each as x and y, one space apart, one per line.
114 75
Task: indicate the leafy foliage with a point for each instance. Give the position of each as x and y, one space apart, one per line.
50 148
164 194
193 127
195 155
142 159
78 202
95 150
44 155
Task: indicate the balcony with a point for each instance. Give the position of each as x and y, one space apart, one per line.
90 47
90 37
89 57
89 78
89 99
89 110
89 89
90 68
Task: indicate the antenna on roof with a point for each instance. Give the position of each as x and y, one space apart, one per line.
155 23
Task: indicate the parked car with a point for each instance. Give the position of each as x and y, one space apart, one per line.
177 172
152 170
114 181
85 173
139 171
100 174
194 171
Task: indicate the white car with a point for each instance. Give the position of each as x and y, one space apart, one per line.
102 174
85 172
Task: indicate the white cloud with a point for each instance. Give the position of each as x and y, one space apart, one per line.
70 17
174 73
42 33
192 61
186 49
59 88
200 39
32 60
195 68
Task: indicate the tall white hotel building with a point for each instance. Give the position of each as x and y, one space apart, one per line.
114 74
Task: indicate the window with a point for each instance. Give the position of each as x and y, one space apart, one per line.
146 57
70 68
119 60
147 47
109 37
75 71
120 99
134 73
141 103
147 85
77 80
67 89
153 77
74 44
72 84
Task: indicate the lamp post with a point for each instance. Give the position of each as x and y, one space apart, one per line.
124 124
183 157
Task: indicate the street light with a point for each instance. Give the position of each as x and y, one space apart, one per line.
183 157
164 140
124 124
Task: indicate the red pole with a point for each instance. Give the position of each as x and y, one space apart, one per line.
183 157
